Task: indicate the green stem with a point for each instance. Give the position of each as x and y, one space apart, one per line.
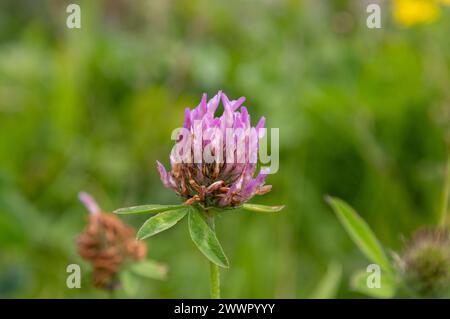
214 269
445 194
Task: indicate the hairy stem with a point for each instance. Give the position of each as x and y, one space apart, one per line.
214 269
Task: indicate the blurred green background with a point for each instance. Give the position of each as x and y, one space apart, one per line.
362 114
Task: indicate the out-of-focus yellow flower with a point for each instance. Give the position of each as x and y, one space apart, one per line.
445 2
411 12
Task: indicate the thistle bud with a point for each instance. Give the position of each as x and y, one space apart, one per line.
106 242
426 263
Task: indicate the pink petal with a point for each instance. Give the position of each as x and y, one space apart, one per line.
89 202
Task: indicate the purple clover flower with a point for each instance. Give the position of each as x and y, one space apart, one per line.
214 159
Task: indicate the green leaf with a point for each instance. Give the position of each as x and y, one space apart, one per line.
205 239
129 283
146 209
360 233
150 269
262 208
359 282
329 284
161 222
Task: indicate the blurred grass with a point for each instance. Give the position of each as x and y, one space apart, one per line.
360 115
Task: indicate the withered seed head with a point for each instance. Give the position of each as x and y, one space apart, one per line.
106 242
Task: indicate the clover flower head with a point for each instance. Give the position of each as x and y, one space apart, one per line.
107 243
214 160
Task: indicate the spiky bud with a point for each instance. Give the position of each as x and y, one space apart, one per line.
426 263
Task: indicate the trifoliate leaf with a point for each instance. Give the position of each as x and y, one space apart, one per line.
262 208
146 209
161 222
205 239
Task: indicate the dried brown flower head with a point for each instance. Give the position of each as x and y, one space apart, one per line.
106 242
